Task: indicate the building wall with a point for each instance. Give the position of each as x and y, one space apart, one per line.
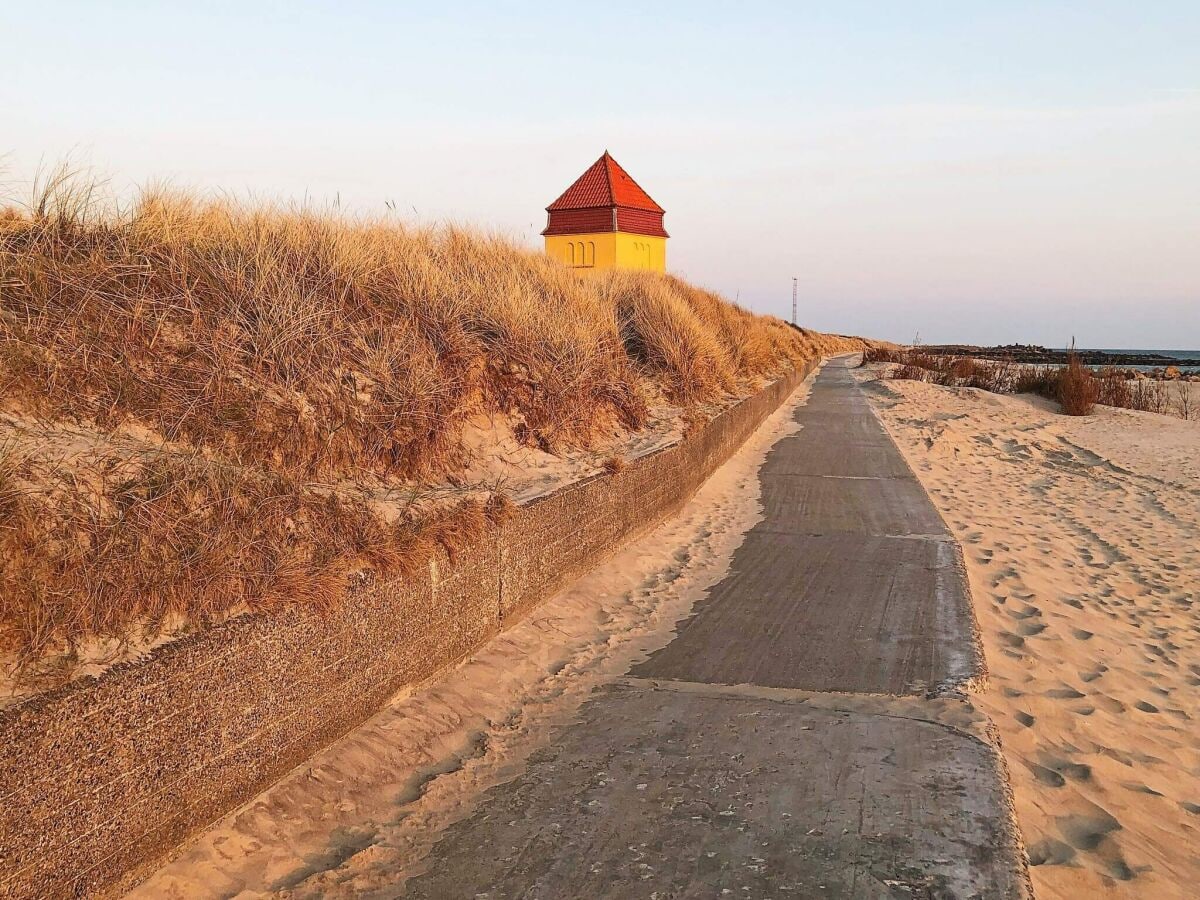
608 250
641 251
584 251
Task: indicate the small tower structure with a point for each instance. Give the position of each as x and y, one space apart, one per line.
605 220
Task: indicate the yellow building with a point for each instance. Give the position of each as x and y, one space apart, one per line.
605 220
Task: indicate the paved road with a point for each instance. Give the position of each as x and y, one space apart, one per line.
806 733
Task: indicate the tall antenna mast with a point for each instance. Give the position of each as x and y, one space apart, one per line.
793 301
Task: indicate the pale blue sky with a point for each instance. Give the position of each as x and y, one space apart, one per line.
976 171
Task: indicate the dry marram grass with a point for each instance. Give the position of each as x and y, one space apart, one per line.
244 380
1075 386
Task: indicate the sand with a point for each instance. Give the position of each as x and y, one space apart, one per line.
358 818
1082 543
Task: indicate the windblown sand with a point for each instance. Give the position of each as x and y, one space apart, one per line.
1082 542
359 818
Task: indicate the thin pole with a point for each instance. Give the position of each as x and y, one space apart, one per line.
793 301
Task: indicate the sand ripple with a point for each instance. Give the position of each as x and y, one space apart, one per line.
1082 541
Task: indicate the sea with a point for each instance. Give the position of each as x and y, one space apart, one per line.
1177 354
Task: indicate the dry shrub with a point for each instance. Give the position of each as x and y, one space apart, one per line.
909 372
1113 388
1078 389
177 536
885 353
1184 401
1041 380
694 421
964 368
1074 385
1122 388
1150 396
1109 387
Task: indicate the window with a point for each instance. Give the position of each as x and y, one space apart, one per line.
582 254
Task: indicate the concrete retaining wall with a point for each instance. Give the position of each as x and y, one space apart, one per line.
102 778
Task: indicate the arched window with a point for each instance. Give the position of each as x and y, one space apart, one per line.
571 244
591 254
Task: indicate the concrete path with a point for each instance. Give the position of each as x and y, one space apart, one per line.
806 732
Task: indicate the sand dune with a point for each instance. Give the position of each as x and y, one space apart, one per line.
1082 542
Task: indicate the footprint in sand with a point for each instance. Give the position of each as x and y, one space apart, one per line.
1012 640
1065 768
1049 852
1064 693
1085 831
1140 788
1123 758
1046 776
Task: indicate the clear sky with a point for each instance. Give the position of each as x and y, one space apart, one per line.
972 171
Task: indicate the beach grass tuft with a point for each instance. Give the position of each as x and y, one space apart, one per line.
1078 388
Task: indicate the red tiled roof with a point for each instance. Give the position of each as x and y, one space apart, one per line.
605 183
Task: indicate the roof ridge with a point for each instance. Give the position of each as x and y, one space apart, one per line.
605 184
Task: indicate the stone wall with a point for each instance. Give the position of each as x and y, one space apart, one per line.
102 778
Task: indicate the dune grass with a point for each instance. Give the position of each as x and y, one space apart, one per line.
241 377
